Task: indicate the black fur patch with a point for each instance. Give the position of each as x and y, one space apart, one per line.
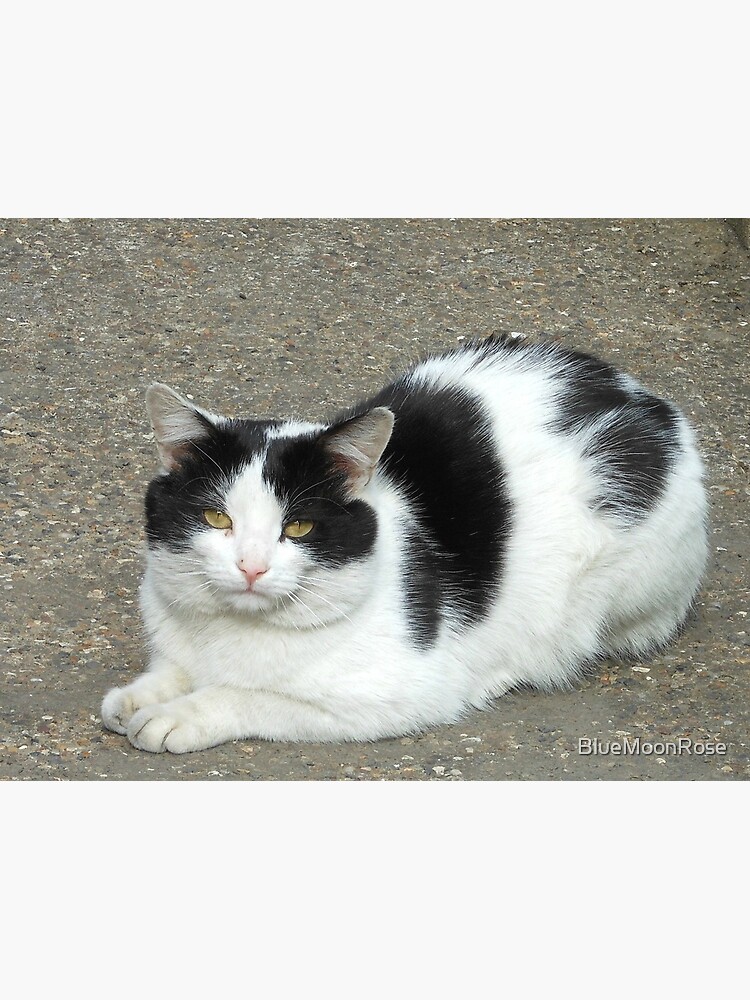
590 388
636 452
638 439
426 591
442 455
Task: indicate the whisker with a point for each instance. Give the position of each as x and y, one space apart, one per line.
334 584
325 599
291 620
298 600
193 593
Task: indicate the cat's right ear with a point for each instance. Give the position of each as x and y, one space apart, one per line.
176 423
357 445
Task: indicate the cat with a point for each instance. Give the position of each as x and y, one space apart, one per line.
502 514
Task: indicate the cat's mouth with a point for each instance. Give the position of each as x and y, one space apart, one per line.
256 596
250 600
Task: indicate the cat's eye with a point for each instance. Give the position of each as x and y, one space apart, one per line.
298 529
217 518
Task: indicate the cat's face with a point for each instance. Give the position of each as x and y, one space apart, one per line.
259 517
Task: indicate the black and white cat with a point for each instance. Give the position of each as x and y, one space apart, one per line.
501 514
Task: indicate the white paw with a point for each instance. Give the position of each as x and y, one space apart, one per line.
120 705
175 727
150 688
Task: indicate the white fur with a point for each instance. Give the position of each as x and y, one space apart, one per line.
324 655
292 428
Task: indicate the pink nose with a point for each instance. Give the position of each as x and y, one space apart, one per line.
252 572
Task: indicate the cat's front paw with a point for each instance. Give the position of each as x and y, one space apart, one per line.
175 727
119 706
151 688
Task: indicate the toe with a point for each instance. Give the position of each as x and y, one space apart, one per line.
149 728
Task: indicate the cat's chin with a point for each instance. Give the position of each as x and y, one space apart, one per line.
248 602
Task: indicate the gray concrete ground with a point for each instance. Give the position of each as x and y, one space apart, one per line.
301 317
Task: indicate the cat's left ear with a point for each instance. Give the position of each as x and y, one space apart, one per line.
357 445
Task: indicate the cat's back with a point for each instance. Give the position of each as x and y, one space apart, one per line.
520 386
476 417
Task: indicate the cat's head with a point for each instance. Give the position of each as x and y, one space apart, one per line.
267 517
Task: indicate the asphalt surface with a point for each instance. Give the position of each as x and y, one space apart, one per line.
301 317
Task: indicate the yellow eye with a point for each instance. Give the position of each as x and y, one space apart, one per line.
217 519
298 529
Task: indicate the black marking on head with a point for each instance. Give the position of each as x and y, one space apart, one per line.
636 439
206 468
303 475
